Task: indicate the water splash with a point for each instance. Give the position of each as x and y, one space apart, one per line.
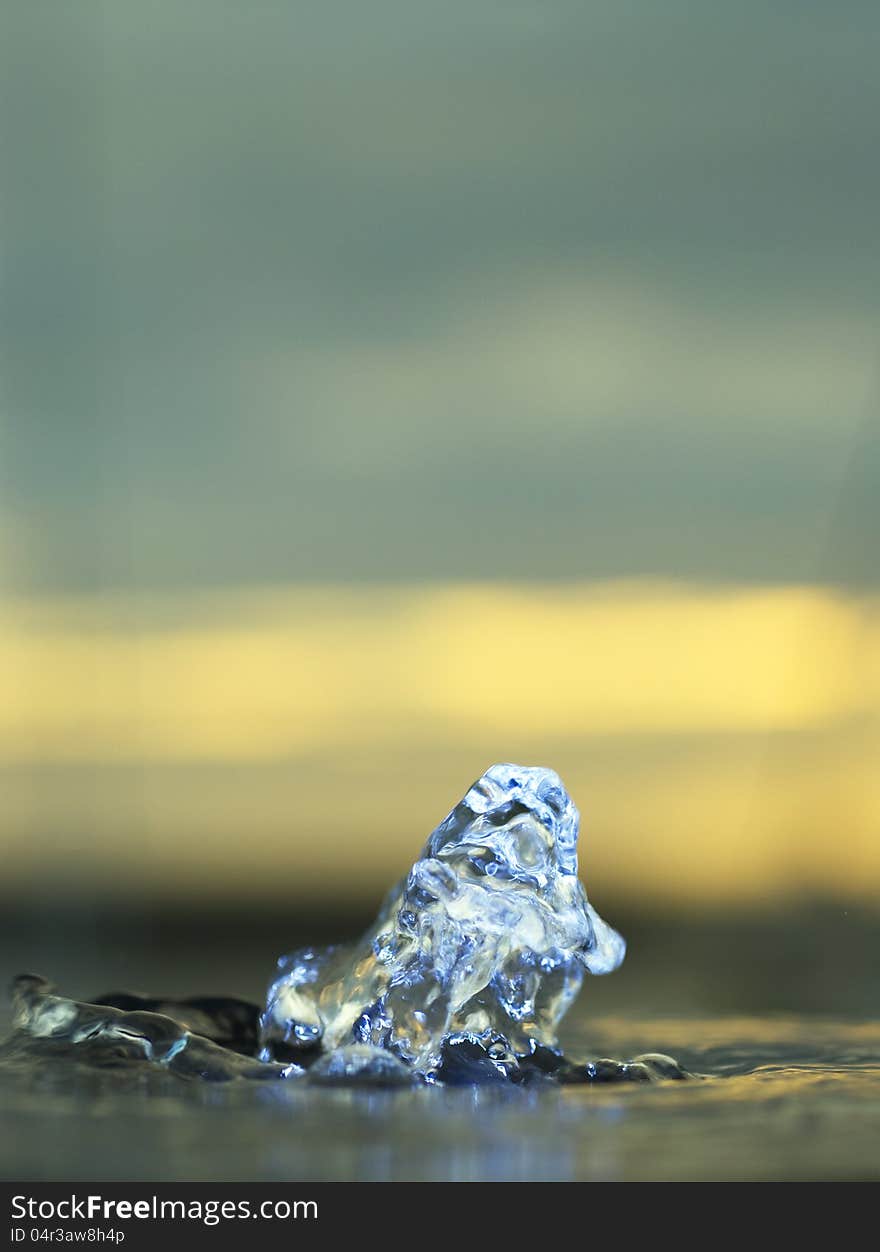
136 1035
488 937
463 978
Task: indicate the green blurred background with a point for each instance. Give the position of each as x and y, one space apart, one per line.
391 389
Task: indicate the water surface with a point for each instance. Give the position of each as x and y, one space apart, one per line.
783 1097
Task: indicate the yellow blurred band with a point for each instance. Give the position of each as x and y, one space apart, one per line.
720 742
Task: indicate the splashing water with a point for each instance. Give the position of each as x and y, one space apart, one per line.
488 936
464 976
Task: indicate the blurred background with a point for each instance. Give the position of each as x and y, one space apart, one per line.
388 390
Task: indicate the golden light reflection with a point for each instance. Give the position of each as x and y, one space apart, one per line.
722 743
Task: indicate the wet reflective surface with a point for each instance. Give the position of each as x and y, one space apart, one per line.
780 1009
784 1097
